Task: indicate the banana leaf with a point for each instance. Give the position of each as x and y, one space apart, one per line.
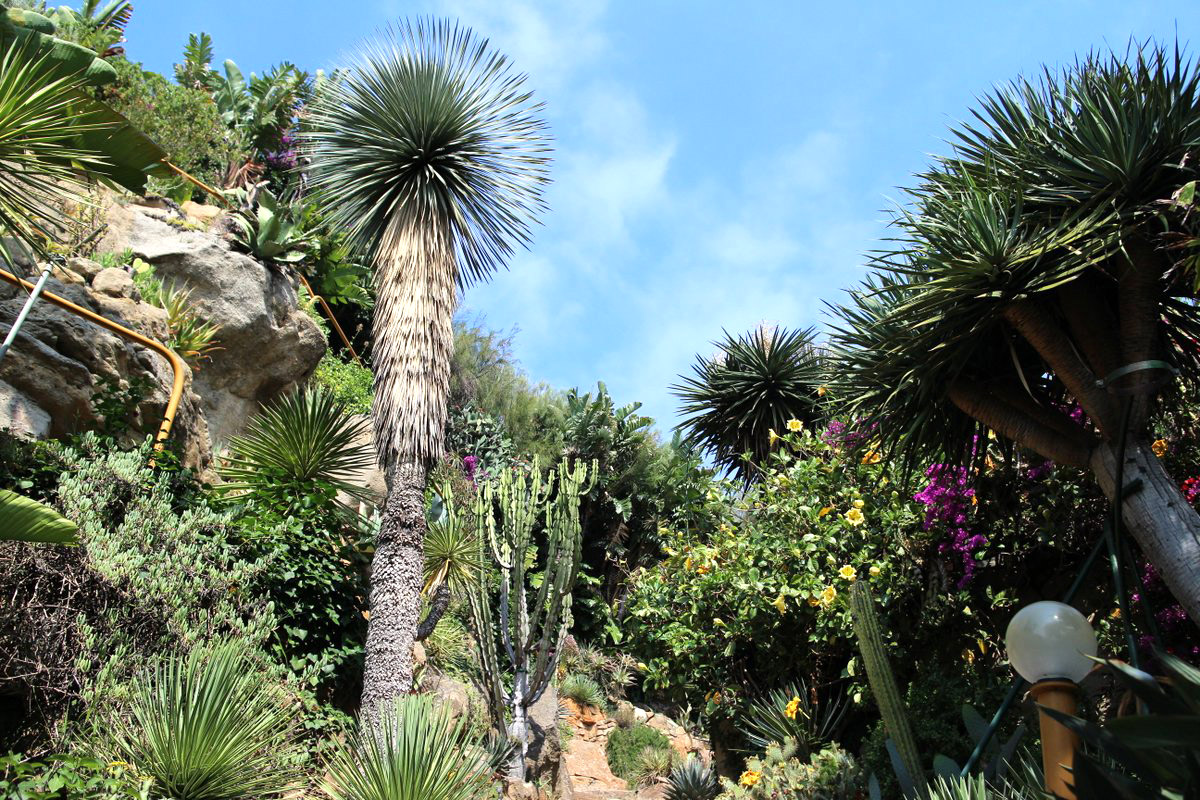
26 520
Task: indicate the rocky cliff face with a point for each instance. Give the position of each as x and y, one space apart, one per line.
49 379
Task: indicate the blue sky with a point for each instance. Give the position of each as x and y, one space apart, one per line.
717 164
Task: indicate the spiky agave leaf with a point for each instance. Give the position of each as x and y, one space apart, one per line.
692 780
39 152
303 442
755 384
205 725
430 153
417 752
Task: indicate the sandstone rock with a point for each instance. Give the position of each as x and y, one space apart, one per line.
59 361
67 275
21 415
453 694
419 653
268 343
203 214
84 266
114 282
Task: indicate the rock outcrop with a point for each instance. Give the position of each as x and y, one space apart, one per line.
267 343
50 378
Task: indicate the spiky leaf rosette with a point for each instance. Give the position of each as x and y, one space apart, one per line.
755 384
1029 265
431 154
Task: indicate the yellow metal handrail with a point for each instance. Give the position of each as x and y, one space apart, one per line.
177 365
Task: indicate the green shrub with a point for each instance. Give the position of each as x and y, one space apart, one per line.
350 383
70 776
205 727
583 690
418 753
183 120
626 746
830 775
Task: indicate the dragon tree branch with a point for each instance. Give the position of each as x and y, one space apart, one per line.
1021 428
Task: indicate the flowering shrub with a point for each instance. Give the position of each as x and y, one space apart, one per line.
829 775
763 596
947 499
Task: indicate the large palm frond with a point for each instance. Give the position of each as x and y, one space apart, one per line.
755 384
430 153
39 152
1017 258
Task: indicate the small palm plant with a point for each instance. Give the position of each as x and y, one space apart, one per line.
417 752
753 386
205 727
304 445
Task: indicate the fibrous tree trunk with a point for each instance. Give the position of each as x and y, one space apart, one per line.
396 580
1158 517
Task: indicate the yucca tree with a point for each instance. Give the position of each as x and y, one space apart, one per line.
754 385
1032 265
430 153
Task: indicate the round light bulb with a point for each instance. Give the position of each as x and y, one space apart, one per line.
1050 640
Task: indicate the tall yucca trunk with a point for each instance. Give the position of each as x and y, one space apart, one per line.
414 340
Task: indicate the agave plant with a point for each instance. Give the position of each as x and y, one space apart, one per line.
755 384
270 232
693 780
304 444
791 714
190 335
583 690
206 726
417 752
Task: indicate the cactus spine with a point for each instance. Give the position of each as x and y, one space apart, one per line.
883 685
531 622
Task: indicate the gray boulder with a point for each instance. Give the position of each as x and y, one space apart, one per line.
268 344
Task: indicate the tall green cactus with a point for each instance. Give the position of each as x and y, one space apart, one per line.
534 615
883 686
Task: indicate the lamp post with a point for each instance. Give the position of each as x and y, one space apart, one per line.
1050 645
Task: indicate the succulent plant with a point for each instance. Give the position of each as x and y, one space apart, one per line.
692 780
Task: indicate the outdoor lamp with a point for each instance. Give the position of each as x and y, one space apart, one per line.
1049 645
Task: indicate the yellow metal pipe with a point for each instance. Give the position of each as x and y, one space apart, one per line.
329 314
177 365
196 182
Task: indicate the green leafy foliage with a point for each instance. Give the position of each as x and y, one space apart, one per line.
347 382
300 448
418 753
753 385
197 58
626 746
583 690
258 111
182 120
204 727
70 776
25 520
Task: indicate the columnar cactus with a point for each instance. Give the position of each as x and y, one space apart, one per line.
883 685
534 615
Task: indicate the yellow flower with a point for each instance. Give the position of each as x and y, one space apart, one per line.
794 425
792 707
1159 447
821 390
703 569
824 511
873 571
749 777
828 596
687 563
859 504
772 436
814 601
780 604
848 572
872 457
1116 613
991 435
968 655
855 517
